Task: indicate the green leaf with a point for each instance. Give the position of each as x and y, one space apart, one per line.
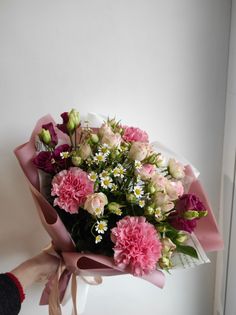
187 250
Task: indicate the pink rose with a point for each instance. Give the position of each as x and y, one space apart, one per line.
176 169
71 187
163 201
146 171
104 129
95 203
159 182
139 151
85 151
132 134
111 139
174 189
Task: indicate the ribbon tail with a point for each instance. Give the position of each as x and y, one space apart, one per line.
54 307
74 294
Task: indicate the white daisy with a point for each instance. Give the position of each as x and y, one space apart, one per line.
101 226
137 164
106 182
141 203
64 155
114 187
99 157
118 212
105 149
119 171
98 239
98 211
92 176
89 161
158 214
138 191
104 174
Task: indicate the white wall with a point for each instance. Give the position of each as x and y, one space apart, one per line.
225 303
157 64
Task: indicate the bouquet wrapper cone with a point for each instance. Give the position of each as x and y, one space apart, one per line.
83 265
91 265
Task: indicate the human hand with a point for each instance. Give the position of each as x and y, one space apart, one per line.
35 269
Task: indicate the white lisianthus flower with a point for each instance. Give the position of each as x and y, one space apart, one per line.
176 169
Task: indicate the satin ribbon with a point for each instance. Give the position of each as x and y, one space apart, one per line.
53 284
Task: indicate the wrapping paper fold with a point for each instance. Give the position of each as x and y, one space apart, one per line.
91 264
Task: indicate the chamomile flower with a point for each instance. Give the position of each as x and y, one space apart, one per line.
98 239
98 211
118 212
101 226
65 155
138 191
104 174
137 164
99 157
104 149
138 178
114 187
92 176
141 203
89 161
158 214
124 148
119 171
106 182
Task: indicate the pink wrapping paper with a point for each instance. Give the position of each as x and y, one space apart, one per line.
91 264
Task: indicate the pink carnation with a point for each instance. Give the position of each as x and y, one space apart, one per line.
72 187
137 245
132 134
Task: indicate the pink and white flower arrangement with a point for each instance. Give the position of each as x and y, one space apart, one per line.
115 196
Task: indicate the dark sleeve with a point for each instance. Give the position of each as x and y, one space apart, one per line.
11 295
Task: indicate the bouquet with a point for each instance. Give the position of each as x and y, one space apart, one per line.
112 203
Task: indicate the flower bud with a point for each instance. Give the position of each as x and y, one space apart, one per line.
131 198
151 188
75 117
76 160
167 246
191 214
149 210
115 207
181 238
45 136
165 263
70 125
162 228
152 159
202 214
94 138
